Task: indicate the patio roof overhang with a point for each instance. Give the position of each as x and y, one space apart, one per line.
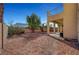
58 18
59 21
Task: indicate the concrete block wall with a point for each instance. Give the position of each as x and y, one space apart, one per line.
1 18
5 34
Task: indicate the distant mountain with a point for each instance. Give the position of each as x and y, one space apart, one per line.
20 25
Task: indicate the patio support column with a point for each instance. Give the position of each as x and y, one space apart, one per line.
58 28
54 27
48 27
61 28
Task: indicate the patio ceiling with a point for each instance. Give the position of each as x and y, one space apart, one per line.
57 18
59 21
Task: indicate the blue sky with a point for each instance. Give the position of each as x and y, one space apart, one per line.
17 12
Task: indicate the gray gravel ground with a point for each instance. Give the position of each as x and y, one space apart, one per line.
37 44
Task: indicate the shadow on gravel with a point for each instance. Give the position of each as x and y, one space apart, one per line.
73 43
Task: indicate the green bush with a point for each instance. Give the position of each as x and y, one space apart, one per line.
15 31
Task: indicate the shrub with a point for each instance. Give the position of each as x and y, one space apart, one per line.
15 31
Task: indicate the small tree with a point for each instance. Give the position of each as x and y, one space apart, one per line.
33 22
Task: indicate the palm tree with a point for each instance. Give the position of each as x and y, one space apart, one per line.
33 22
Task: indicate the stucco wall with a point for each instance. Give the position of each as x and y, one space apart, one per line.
78 21
0 35
5 34
70 21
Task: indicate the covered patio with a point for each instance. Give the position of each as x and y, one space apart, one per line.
57 21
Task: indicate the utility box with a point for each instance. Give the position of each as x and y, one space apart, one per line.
61 34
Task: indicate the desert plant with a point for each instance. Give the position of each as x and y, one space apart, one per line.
10 31
14 31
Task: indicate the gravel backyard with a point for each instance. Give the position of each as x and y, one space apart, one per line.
37 44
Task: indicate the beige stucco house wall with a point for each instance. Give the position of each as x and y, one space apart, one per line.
78 21
70 20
